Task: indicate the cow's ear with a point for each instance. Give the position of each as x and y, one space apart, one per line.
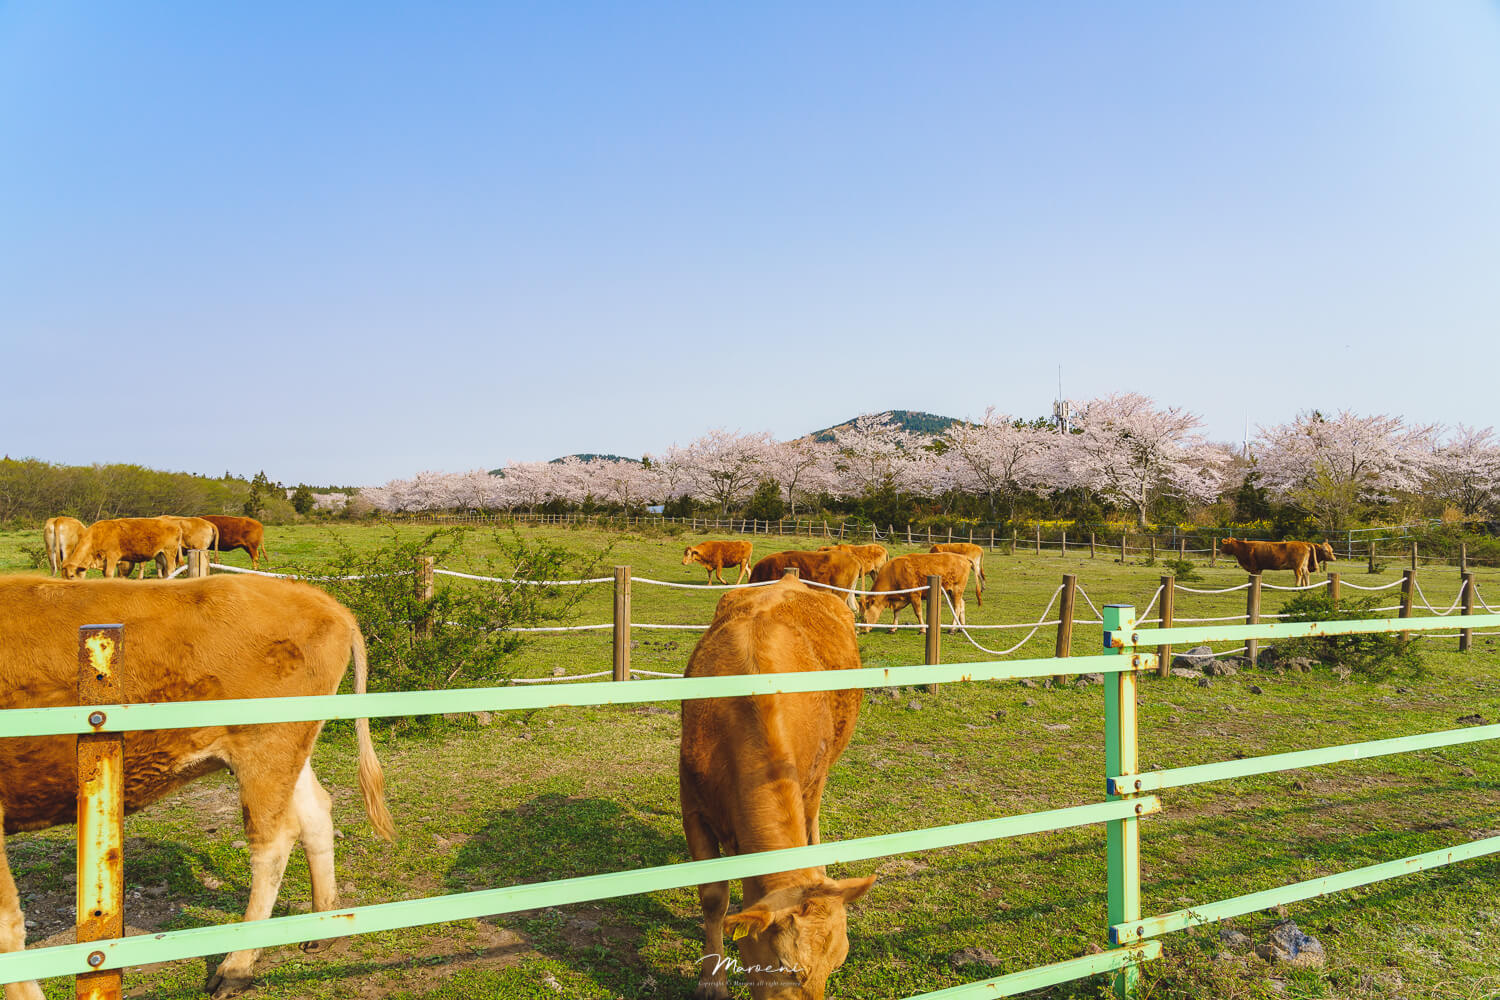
755 920
853 888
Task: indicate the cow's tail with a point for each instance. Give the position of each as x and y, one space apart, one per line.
371 776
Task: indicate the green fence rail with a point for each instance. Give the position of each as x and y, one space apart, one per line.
1126 790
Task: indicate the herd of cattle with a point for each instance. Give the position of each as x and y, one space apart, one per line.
117 546
751 770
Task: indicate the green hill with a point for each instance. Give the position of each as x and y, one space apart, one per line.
912 421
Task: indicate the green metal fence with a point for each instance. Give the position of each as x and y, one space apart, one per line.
1127 801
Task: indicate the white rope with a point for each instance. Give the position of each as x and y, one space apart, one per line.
1092 607
700 586
1152 604
178 570
222 568
648 625
1441 614
553 628
1480 599
1226 590
866 593
652 673
1194 621
996 652
1383 586
1310 586
554 680
526 583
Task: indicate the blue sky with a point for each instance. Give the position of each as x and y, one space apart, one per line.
349 243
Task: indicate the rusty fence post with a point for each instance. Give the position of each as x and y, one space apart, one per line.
101 808
1252 617
424 592
934 624
1168 609
1466 636
622 624
1408 591
1064 645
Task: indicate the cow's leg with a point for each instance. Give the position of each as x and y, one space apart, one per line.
719 573
314 810
13 927
959 613
744 574
713 897
271 828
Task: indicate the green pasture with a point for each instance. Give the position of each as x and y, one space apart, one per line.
575 791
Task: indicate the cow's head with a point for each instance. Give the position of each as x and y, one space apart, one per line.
870 607
79 559
1328 554
792 939
689 554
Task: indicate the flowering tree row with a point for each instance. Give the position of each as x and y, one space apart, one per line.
1124 449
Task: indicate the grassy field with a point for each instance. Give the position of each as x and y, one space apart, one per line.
568 792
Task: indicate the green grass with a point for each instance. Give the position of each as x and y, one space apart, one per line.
577 791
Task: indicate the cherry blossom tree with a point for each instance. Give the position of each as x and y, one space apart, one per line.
624 483
721 467
875 455
802 467
1328 465
1130 452
1465 470
998 458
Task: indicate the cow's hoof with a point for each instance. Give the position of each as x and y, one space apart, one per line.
220 986
313 947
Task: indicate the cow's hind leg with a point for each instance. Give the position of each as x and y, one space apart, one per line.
13 928
314 808
713 897
271 826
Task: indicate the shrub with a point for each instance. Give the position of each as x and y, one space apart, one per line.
468 638
1182 569
1374 655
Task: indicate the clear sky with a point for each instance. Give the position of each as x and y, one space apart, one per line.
348 243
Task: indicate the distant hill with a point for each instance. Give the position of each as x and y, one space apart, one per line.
912 421
583 456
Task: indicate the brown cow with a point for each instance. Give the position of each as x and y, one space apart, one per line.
1257 557
106 544
871 557
837 569
907 572
1322 553
60 534
198 640
975 555
240 533
716 555
752 772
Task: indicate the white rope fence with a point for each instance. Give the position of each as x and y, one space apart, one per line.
1223 590
1383 586
696 586
1027 638
502 579
1428 604
224 568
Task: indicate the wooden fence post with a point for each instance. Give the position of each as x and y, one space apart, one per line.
1168 609
197 563
1408 591
934 621
1252 617
1333 589
101 808
950 534
424 592
1039 538
1413 555
1466 636
1064 646
971 534
1013 541
929 534
791 571
1182 548
622 623
1123 536
1463 558
1065 545
992 539
1153 548
841 531
1091 545
1372 555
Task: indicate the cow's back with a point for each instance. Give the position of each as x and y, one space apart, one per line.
184 640
728 743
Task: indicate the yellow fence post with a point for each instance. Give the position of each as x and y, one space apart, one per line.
101 808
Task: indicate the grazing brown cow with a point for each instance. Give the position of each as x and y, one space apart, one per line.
198 640
837 569
717 555
907 572
240 533
975 555
1257 557
871 557
60 534
105 545
752 772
